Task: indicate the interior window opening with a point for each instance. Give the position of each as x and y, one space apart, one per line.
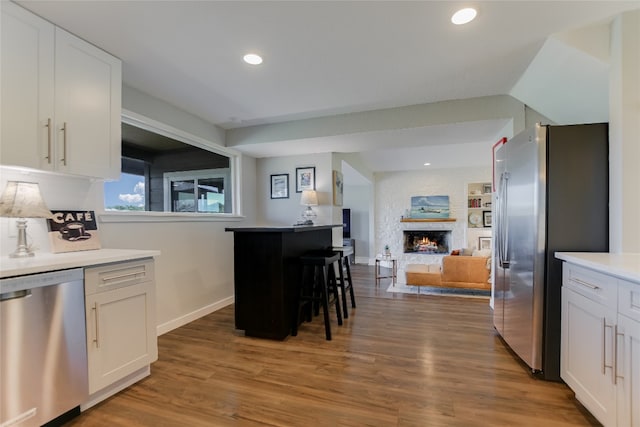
161 174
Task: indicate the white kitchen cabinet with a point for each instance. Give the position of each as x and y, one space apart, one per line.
600 347
61 99
586 355
629 354
120 316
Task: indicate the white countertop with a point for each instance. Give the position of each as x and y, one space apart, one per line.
44 261
624 266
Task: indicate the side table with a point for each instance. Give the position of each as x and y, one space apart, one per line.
394 269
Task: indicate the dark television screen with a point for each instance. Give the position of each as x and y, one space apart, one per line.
346 223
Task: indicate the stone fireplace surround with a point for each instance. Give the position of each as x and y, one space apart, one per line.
396 242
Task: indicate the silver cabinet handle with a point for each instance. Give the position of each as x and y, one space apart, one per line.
15 295
49 139
585 284
123 276
604 345
97 318
64 144
615 356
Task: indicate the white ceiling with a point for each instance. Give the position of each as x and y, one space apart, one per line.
324 58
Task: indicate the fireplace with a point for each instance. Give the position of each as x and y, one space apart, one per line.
427 241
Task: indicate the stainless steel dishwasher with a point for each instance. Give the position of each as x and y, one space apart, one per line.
43 350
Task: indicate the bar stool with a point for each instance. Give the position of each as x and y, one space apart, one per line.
317 286
344 281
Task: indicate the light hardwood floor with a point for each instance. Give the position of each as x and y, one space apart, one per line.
399 360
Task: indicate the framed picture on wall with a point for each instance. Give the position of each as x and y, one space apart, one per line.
305 178
338 188
484 243
486 218
280 186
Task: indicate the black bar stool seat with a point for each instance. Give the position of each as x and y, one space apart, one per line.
318 287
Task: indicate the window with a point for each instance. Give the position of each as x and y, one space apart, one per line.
167 170
197 191
127 194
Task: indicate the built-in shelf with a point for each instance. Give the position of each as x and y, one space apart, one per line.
428 220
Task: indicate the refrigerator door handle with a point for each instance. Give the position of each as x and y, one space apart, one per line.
502 231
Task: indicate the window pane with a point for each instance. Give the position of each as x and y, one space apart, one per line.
211 195
183 196
128 194
202 176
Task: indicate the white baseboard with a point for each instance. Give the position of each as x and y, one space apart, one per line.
190 317
362 260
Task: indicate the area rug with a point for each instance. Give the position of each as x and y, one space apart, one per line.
429 290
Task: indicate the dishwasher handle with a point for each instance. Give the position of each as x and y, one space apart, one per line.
15 294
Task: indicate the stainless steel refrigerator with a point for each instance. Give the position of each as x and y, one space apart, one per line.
551 195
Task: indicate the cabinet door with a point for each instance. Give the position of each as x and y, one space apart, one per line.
587 354
629 354
88 108
628 372
27 63
121 333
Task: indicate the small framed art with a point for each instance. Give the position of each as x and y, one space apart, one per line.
484 243
71 231
305 179
486 218
338 188
280 186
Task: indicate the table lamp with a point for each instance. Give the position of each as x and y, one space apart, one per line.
22 200
309 198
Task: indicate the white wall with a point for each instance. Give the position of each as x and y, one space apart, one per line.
358 198
624 134
288 211
393 192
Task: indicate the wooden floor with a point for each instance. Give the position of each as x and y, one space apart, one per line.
399 360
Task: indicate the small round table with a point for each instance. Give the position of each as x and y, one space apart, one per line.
394 269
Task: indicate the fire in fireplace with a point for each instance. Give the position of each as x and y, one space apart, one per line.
427 241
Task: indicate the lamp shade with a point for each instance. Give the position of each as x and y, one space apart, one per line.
309 198
23 200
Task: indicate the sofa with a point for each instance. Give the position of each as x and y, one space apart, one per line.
469 272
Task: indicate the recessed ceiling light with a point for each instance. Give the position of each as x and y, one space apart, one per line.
464 16
253 59
427 164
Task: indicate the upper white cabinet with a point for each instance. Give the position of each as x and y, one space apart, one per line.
61 99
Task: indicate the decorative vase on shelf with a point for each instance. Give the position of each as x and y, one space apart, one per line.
387 251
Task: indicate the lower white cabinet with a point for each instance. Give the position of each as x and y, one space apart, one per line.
600 350
629 345
120 316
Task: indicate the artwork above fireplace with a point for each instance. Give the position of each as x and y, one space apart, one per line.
427 241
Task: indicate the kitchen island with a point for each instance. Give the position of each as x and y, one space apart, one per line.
267 273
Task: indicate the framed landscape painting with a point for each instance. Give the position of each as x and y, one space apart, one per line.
430 207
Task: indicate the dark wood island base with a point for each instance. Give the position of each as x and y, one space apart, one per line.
267 272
